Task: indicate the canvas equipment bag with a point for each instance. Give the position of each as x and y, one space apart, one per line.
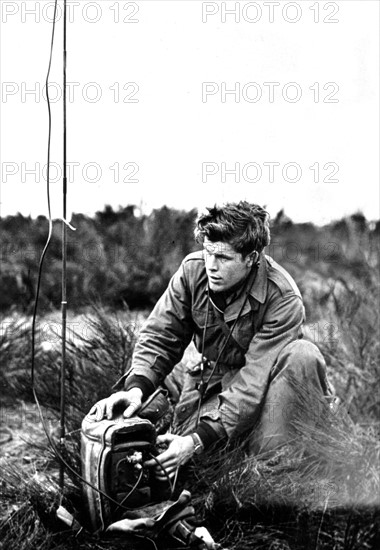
112 456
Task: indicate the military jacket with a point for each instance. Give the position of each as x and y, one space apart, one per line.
272 317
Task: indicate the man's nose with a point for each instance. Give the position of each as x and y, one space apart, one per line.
211 262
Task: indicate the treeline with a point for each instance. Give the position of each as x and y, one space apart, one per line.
121 256
113 257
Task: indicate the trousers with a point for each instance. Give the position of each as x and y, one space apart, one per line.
300 362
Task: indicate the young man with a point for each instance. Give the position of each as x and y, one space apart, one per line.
245 315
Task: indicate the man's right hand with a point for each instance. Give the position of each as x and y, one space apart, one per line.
124 403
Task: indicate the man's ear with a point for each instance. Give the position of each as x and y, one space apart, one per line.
252 258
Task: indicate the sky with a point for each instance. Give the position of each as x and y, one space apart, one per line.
191 103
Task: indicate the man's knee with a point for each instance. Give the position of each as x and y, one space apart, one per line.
302 362
299 374
300 355
302 351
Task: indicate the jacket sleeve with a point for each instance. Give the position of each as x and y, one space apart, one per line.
164 336
240 403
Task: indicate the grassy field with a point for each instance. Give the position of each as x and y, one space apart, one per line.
321 493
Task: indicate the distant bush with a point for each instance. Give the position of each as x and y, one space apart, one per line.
114 257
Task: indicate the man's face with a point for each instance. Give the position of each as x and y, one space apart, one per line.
225 267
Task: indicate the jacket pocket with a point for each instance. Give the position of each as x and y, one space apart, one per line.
244 331
199 317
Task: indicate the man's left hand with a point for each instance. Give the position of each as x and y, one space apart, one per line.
180 450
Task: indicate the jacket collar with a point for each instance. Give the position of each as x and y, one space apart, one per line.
259 287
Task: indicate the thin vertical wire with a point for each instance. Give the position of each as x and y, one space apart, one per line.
64 254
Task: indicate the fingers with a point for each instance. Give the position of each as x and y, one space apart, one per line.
132 398
162 472
163 475
98 410
162 469
129 401
162 461
167 463
166 438
120 399
110 404
131 525
131 409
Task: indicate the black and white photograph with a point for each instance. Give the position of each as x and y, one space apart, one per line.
190 254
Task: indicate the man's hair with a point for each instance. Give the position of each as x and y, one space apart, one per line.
243 225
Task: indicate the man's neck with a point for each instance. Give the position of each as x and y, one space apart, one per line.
225 298
232 293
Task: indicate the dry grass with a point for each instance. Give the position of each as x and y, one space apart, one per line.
321 492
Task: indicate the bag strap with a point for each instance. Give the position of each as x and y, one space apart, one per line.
226 329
